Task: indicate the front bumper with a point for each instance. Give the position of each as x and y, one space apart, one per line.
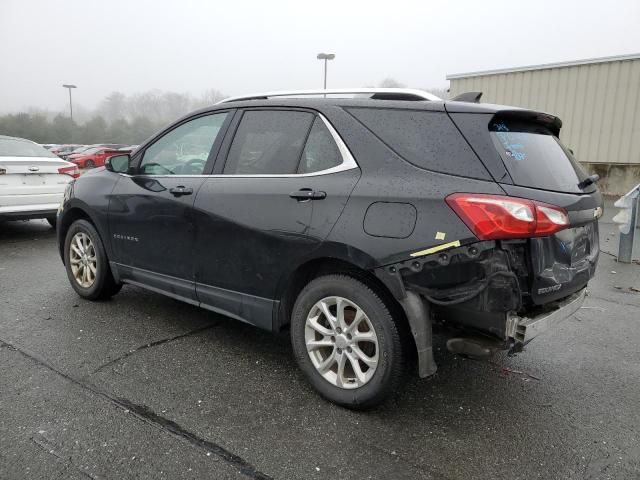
524 329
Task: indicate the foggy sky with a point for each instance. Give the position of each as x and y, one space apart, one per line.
189 46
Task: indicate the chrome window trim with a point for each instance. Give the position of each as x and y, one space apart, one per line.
348 163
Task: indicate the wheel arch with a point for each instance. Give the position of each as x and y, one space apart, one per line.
72 214
361 270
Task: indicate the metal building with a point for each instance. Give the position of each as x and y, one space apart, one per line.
597 99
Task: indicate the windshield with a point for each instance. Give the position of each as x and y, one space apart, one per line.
80 150
535 157
15 147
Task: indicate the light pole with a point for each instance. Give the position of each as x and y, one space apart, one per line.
69 87
325 57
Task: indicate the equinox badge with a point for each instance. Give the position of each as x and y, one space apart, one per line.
125 237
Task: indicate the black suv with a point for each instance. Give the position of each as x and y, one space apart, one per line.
359 223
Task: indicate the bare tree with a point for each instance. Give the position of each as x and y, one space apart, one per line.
210 97
113 106
441 92
391 83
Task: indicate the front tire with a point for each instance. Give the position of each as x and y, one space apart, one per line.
347 342
89 164
87 264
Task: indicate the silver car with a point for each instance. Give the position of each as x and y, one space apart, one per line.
32 180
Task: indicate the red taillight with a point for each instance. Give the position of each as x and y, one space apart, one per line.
71 171
495 217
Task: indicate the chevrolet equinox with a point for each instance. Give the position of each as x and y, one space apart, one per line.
357 223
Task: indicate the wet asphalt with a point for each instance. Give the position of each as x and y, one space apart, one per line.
145 387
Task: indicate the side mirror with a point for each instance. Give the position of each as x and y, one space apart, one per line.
118 163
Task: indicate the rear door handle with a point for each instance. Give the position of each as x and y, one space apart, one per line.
305 194
180 190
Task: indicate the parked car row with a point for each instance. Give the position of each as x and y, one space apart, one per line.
95 156
32 180
63 150
88 156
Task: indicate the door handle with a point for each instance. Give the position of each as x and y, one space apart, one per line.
180 190
305 194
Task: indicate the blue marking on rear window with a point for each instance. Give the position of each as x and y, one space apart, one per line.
508 139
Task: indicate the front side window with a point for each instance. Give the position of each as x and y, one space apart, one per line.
185 149
268 143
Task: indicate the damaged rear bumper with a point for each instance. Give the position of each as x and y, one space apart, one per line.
524 329
481 292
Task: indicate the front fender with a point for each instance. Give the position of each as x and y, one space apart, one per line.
89 198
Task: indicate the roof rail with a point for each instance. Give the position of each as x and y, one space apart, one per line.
410 94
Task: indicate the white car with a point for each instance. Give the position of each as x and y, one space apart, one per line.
32 180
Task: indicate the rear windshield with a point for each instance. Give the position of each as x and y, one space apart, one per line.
535 157
426 139
15 147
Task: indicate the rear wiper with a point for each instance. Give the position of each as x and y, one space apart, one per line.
590 180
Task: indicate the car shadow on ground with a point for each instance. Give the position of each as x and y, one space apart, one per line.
219 347
233 381
19 230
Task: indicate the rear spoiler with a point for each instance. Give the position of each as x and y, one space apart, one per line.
553 123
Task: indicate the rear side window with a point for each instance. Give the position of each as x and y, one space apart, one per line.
426 139
535 157
320 152
268 142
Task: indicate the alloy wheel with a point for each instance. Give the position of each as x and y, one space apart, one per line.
341 342
83 260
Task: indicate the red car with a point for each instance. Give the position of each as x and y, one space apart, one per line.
94 157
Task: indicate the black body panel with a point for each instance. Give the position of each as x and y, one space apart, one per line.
251 234
563 263
163 242
386 176
475 129
89 198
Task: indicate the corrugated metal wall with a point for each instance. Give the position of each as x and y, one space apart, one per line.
599 104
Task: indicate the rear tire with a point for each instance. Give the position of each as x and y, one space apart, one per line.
53 221
87 264
89 164
354 358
